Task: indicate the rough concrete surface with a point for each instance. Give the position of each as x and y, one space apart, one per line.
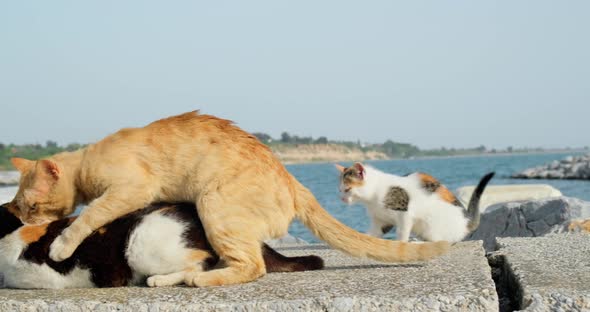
458 281
551 273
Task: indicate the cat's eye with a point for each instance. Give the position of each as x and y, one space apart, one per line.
34 207
347 189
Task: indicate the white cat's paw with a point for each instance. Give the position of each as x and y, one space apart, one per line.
160 281
61 249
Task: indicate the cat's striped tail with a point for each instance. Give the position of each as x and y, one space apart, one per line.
473 208
343 238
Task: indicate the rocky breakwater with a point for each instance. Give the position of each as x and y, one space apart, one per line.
571 168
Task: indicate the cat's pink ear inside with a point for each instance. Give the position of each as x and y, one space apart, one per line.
361 170
21 164
340 168
51 168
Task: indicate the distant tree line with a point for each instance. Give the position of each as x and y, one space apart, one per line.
390 148
287 138
31 151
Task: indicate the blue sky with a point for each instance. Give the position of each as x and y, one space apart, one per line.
433 73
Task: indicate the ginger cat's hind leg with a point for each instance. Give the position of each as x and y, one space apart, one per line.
243 260
235 234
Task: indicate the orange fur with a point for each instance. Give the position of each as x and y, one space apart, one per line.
427 179
198 256
442 191
32 233
583 225
243 193
446 195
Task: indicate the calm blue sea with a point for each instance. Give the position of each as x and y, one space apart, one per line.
322 180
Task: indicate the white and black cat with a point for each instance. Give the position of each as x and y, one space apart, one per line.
159 243
416 203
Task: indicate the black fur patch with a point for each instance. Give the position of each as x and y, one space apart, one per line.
397 199
276 262
430 186
385 229
8 221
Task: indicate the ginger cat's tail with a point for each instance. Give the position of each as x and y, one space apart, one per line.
341 237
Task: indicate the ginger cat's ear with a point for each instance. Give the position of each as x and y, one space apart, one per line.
361 169
21 164
51 168
340 168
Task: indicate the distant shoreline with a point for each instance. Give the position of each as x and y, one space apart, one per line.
502 154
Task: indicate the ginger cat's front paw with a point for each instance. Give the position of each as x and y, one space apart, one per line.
192 279
61 249
203 279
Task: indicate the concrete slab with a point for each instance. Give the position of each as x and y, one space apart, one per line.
550 273
496 194
458 281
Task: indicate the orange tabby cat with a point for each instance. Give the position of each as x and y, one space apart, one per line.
579 225
243 193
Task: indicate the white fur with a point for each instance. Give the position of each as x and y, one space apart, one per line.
19 273
156 246
156 249
428 216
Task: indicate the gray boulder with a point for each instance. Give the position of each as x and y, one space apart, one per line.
529 219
